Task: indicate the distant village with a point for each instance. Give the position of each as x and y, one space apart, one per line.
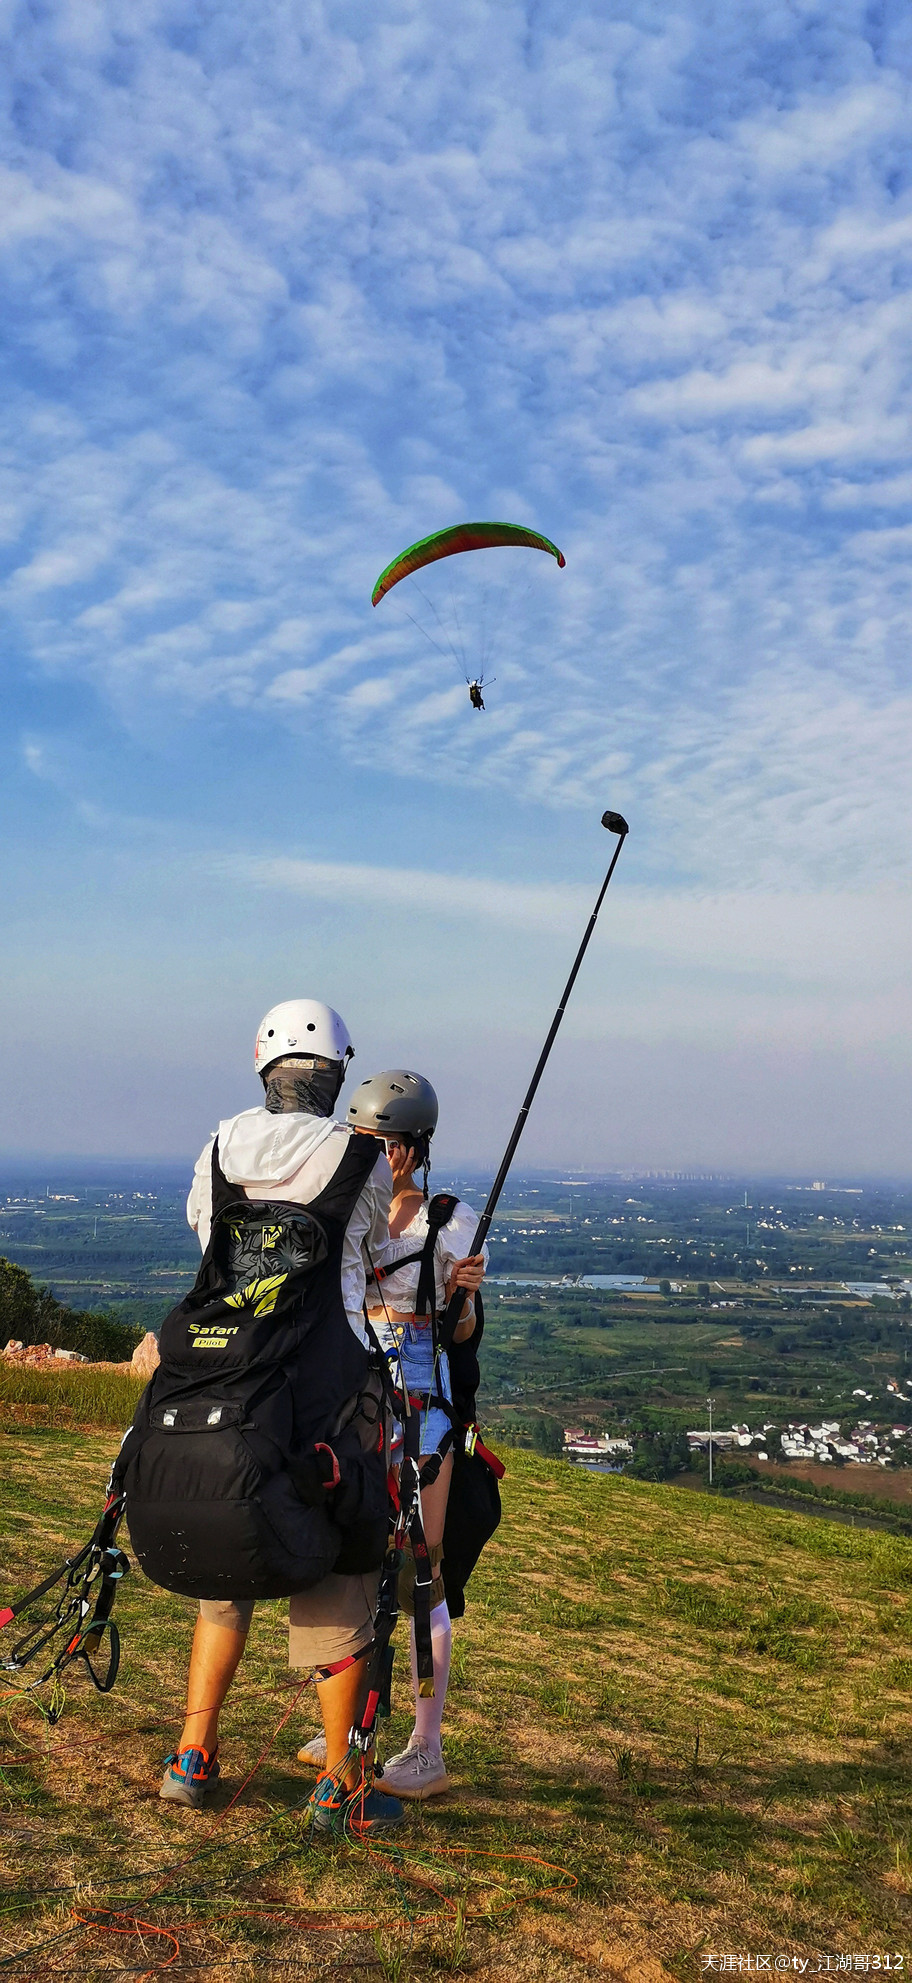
865 1443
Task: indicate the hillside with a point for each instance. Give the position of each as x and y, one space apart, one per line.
698 1710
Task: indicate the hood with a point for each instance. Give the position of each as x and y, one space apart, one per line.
258 1148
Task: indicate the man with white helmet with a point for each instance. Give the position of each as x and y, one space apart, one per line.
289 1148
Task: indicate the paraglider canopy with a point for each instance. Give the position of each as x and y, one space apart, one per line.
459 537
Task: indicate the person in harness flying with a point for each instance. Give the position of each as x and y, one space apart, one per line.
290 1149
402 1108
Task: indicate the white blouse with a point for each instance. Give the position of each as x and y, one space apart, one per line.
400 1284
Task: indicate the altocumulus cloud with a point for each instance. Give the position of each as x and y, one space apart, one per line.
290 285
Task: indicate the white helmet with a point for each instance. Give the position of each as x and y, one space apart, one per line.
302 1026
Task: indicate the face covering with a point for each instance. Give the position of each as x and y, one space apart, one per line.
303 1087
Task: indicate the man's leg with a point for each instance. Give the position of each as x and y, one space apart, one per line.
326 1625
341 1699
214 1660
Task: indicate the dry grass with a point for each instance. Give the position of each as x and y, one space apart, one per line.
77 1396
699 1709
887 1483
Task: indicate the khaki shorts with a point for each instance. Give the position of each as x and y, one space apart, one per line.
325 1624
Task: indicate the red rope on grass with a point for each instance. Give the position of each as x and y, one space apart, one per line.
119 1921
135 1927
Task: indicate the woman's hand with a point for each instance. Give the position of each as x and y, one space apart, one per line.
467 1274
402 1164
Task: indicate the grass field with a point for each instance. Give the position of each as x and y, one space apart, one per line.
78 1396
697 1711
584 1357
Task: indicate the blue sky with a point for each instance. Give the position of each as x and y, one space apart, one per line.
286 287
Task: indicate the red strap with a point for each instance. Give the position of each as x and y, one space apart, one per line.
320 1447
5 1617
491 1460
342 1665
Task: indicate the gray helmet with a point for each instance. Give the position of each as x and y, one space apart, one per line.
396 1103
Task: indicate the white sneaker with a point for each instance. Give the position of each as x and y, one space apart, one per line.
415 1772
313 1753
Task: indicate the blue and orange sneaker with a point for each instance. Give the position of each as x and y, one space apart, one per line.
188 1776
340 1813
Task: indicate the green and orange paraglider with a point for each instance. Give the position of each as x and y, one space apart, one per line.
459 537
447 544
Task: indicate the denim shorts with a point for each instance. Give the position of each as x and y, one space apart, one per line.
416 1356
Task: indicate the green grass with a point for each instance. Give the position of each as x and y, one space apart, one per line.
700 1709
74 1396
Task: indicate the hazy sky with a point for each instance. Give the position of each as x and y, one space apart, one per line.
288 286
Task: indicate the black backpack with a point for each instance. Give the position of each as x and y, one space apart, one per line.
473 1506
249 1470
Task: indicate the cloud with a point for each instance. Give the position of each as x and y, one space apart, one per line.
287 290
764 964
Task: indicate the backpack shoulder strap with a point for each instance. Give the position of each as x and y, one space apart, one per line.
338 1198
223 1194
440 1212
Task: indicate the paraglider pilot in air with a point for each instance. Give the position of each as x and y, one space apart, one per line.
458 538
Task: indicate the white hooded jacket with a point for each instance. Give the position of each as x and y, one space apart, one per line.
292 1156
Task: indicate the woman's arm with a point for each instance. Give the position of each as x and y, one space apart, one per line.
467 1274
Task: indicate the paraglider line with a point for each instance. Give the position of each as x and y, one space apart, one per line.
427 636
455 612
430 603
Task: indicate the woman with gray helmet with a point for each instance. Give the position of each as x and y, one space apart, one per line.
402 1107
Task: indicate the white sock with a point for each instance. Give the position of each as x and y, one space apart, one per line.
429 1713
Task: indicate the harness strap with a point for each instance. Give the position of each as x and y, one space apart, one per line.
440 1212
379 1673
342 1665
90 1582
413 1525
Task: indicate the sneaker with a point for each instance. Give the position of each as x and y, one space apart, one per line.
416 1772
313 1754
340 1813
188 1776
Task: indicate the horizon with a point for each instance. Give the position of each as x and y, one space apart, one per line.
61 1168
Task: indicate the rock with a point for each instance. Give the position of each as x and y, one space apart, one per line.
145 1357
12 1346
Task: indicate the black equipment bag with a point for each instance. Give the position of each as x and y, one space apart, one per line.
473 1507
256 1461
